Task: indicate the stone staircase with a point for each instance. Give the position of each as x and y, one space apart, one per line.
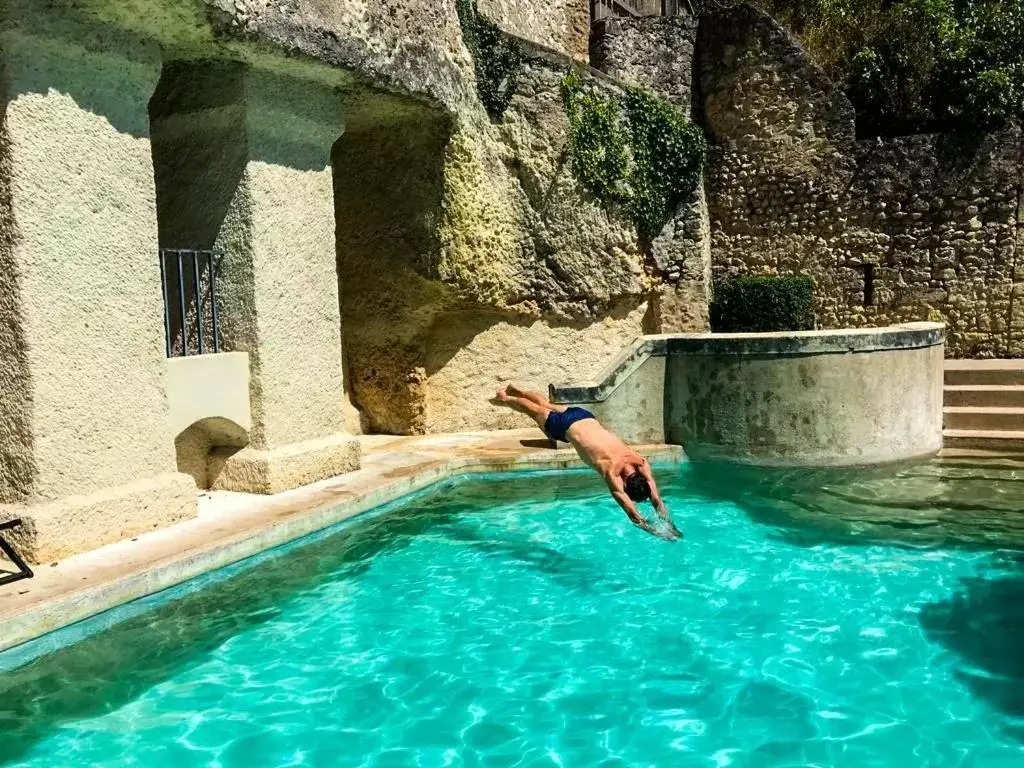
983 405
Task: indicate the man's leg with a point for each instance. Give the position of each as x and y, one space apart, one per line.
533 409
534 397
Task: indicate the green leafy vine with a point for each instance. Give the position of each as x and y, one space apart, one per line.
644 155
497 59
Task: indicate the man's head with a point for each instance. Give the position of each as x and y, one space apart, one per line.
637 487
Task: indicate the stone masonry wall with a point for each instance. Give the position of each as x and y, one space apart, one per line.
935 221
656 54
561 25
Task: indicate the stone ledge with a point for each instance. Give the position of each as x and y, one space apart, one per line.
53 530
845 341
261 471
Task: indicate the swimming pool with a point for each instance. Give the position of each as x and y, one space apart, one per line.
520 621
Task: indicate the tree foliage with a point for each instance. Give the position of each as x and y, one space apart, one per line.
917 65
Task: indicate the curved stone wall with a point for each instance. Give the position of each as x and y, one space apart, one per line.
814 398
818 398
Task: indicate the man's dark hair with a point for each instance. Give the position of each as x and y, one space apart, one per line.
637 487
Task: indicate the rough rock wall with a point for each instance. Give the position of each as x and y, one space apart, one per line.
656 53
469 355
469 255
414 46
934 223
444 214
562 25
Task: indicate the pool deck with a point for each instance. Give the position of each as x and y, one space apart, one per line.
233 526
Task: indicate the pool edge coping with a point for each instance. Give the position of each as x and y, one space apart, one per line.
50 615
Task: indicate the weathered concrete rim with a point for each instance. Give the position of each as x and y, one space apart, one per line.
34 624
796 343
790 343
616 372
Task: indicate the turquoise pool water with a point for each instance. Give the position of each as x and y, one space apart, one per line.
523 622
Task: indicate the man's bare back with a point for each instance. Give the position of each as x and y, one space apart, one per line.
626 472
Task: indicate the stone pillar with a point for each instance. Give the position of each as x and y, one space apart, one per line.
252 149
656 53
86 454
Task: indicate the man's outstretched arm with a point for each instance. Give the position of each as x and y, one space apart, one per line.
620 496
642 466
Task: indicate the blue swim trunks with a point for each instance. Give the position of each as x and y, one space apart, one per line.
556 426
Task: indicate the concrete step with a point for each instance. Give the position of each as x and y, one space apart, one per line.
990 441
983 396
1005 419
984 373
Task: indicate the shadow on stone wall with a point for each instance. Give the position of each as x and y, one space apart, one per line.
17 471
200 149
388 189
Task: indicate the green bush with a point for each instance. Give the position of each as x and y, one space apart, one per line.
598 144
763 304
669 151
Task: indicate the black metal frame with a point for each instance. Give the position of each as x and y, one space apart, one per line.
210 259
24 572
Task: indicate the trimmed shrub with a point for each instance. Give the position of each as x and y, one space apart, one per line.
763 304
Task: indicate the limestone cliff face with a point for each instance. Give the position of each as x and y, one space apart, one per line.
482 243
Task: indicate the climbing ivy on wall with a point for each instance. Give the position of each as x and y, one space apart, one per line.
598 145
645 155
497 59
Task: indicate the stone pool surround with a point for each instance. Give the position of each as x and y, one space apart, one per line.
233 526
812 398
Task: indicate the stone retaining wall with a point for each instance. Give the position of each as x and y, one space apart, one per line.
934 223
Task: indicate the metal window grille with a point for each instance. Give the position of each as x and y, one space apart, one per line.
189 280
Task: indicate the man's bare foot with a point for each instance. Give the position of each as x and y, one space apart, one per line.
502 397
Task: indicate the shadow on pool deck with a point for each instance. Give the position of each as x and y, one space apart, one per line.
984 624
115 666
